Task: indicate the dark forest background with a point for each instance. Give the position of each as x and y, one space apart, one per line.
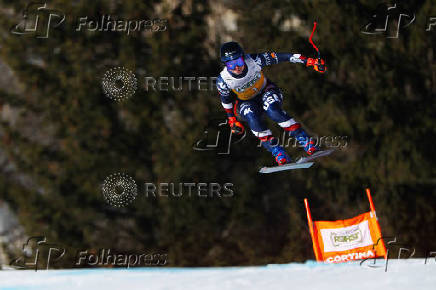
68 136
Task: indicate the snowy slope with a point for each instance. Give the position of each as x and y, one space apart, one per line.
401 274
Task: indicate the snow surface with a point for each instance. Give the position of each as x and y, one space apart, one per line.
400 274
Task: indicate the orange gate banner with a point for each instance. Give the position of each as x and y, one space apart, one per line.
346 240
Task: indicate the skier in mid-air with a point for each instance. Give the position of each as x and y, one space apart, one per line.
245 91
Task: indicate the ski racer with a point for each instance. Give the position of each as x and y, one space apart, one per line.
246 92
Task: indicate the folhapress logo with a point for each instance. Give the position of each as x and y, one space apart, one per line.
37 253
348 237
388 21
38 20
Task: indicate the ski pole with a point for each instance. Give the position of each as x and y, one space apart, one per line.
320 66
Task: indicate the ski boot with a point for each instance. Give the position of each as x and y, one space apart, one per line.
280 155
271 144
303 138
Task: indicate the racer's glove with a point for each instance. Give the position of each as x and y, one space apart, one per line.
318 65
236 126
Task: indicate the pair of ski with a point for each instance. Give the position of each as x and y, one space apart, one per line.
303 162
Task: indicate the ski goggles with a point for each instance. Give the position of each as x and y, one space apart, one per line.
232 64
